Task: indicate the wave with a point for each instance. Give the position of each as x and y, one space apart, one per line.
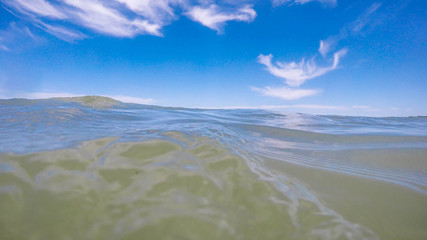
122 170
160 189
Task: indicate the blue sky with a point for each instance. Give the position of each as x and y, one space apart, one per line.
340 57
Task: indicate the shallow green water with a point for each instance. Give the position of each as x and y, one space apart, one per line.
119 171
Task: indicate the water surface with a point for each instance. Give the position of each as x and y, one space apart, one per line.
96 168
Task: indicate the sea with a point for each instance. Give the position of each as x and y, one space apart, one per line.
96 168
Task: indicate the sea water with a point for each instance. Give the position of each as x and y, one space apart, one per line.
96 168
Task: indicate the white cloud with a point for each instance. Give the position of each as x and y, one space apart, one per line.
328 44
127 99
4 48
214 17
353 28
296 74
124 18
15 37
362 107
36 7
155 10
365 18
94 15
62 33
324 47
282 2
286 93
314 106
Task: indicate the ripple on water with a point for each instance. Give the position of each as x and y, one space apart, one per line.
106 189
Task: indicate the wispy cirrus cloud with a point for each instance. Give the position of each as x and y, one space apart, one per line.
365 18
105 19
124 18
362 107
353 28
4 48
324 47
295 73
15 37
36 8
155 10
282 2
286 93
62 33
214 17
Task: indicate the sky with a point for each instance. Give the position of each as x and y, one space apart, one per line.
340 57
